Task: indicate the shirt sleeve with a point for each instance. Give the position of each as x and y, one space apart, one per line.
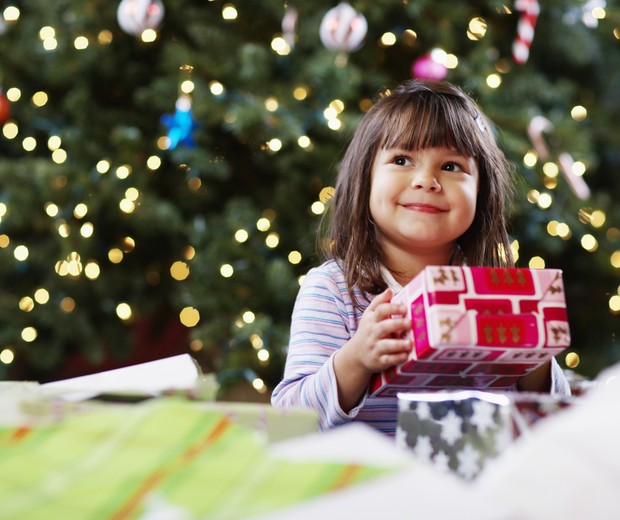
559 383
321 324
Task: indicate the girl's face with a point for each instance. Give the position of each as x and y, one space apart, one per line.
422 201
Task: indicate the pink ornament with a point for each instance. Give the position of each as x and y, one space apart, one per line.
425 67
135 16
343 28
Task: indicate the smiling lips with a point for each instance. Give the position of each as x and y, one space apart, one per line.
423 208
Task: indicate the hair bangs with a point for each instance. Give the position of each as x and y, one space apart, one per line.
429 122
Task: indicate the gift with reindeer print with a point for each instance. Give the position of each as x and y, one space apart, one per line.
478 327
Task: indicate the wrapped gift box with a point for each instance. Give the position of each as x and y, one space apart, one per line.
462 431
478 327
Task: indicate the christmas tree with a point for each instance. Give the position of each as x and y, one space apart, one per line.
164 166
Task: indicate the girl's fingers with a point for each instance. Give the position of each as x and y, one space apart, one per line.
384 297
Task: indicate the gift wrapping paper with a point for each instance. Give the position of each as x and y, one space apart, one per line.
478 327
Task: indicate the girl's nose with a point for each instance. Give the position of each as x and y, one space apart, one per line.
425 180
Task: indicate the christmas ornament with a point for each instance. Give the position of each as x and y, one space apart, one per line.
5 108
536 129
525 29
181 124
343 28
425 67
289 23
135 16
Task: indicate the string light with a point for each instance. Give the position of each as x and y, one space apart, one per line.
536 262
189 317
179 271
227 270
7 356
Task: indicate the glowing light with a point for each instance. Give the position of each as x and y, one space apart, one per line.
614 304
40 99
10 130
47 32
189 252
259 385
29 334
578 168
572 360
248 317
334 124
105 37
536 262
153 162
7 356
54 142
263 355
494 80
216 88
103 166
257 341
300 93
26 304
544 201
241 235
59 156
280 46
294 257
451 61
41 296
589 243
614 259
196 345
388 39
597 219
63 229
179 270
80 43
11 14
263 224
476 29
227 270
132 194
29 144
128 244
579 113
530 159
67 305
148 35
122 172
187 86
304 142
123 311
21 253
318 208
115 255
51 209
551 170
229 12
87 230
189 316
552 228
2 209
80 210
92 270
275 145
271 104
272 240
126 206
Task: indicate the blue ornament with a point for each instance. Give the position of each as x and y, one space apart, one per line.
180 125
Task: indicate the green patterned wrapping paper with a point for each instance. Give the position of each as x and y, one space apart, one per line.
167 456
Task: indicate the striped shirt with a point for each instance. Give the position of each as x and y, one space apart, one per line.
324 319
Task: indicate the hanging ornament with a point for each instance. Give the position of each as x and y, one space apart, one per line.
5 108
289 24
343 28
136 16
525 29
427 67
181 124
535 130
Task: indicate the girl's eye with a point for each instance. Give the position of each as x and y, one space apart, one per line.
401 160
453 167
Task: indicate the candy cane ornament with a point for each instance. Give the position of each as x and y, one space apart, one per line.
525 29
536 128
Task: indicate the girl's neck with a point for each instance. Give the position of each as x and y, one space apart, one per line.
405 266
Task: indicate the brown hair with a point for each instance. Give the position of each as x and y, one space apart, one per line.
414 116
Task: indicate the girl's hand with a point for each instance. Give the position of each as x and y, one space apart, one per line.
380 341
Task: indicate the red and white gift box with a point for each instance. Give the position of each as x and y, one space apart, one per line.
478 327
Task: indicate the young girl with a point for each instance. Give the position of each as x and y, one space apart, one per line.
423 182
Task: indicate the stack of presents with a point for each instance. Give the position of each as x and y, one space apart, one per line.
77 448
